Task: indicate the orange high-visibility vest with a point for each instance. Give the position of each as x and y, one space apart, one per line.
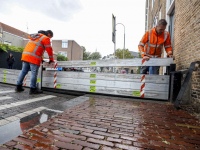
35 49
153 44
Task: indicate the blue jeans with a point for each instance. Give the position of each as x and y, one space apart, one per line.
34 71
10 66
151 69
154 70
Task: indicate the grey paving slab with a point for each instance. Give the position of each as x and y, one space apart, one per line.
3 122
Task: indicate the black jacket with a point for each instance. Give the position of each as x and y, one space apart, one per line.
10 60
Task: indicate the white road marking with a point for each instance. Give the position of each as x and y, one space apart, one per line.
3 92
4 98
25 102
58 111
21 115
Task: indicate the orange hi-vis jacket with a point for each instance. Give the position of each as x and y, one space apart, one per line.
35 49
153 44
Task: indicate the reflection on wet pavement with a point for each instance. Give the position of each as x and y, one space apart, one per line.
14 129
21 126
100 123
69 104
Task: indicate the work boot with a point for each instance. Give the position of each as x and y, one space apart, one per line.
35 91
19 88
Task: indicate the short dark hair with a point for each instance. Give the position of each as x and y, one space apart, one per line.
46 32
49 32
162 22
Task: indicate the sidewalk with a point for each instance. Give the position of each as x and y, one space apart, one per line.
107 124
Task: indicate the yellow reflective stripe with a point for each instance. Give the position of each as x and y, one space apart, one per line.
143 53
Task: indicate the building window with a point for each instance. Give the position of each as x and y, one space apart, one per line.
9 43
153 3
64 44
160 14
171 1
155 20
171 26
147 15
63 53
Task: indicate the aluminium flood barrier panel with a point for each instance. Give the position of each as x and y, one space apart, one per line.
135 85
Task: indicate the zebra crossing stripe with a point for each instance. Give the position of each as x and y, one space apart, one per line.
4 98
25 102
21 115
3 92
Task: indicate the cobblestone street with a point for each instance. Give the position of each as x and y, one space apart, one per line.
111 123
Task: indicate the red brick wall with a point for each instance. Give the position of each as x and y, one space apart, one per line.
187 41
186 38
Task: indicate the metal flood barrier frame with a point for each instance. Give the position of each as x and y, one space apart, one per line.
130 85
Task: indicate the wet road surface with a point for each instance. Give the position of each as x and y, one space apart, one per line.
21 111
110 123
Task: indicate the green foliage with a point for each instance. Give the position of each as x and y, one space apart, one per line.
94 56
85 54
5 47
138 70
62 58
119 54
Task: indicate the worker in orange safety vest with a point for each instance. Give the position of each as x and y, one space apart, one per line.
153 41
32 57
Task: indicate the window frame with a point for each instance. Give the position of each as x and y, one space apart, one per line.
64 43
60 52
153 1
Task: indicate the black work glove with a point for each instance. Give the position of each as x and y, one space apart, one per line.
50 61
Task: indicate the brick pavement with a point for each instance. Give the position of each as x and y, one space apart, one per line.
108 124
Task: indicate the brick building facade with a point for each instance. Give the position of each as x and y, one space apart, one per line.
69 48
183 17
12 36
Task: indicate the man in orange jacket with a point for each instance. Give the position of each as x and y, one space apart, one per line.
153 41
32 57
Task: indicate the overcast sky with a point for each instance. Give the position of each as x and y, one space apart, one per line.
88 22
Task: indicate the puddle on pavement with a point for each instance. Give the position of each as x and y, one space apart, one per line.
69 104
14 129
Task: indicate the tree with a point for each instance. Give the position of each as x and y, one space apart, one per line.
5 47
119 54
85 54
62 58
94 56
138 70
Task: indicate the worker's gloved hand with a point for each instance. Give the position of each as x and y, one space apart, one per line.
51 61
146 58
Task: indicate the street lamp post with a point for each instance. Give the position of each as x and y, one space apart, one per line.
124 37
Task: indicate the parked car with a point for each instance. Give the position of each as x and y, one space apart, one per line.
78 69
